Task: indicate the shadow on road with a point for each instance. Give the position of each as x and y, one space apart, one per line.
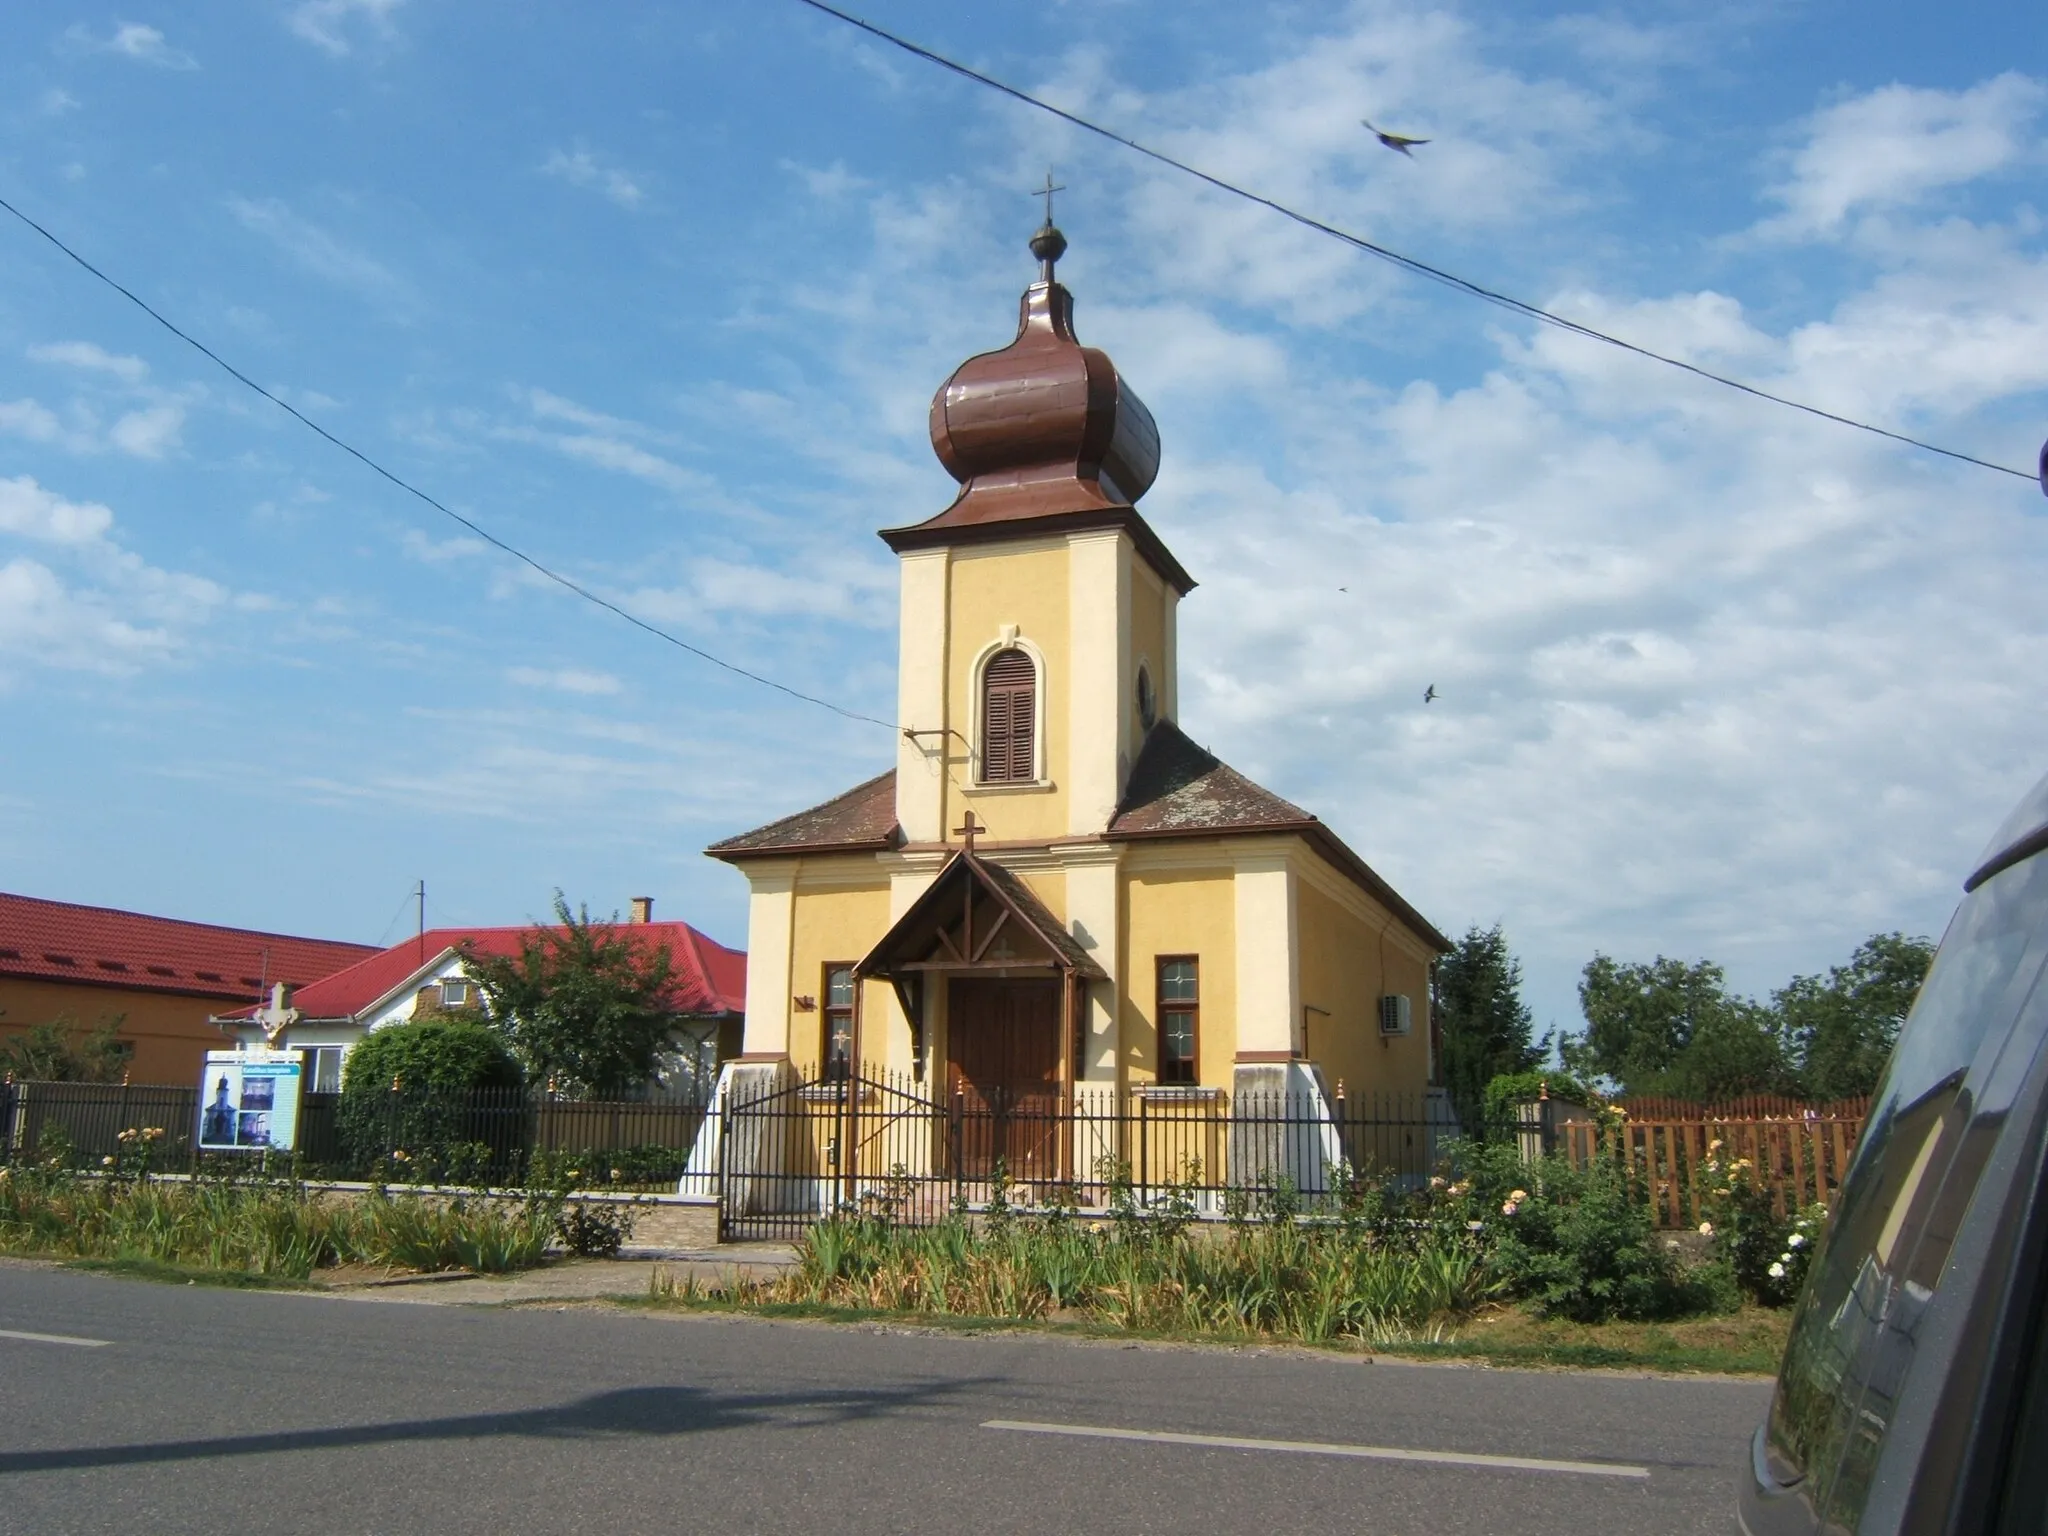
628 1411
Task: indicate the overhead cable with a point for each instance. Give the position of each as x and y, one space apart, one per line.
568 583
1406 263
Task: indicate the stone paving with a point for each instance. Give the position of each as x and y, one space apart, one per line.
629 1275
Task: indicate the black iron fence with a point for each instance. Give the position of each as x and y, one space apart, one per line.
794 1151
495 1135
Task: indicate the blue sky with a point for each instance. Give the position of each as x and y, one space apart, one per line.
660 294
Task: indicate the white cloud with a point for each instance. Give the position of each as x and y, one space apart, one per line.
327 24
565 680
858 592
30 419
57 101
149 433
582 169
29 511
317 250
131 40
418 546
111 613
1893 146
92 358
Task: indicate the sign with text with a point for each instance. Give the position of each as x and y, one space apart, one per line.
249 1100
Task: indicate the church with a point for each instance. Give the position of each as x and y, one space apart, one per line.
1055 891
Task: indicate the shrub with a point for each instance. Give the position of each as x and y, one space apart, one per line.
1512 1088
1573 1242
595 1230
408 1088
1768 1254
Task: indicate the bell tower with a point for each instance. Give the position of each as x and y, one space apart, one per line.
1037 624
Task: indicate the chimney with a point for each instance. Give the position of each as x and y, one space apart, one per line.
643 910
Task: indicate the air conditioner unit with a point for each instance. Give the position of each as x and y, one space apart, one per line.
1394 1014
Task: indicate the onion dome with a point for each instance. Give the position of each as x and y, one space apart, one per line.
1044 431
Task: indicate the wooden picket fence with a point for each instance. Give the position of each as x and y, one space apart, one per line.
1801 1151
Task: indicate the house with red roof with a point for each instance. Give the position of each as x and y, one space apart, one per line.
161 977
327 1017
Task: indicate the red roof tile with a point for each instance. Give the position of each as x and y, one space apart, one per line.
61 941
708 977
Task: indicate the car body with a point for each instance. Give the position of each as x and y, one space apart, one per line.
1914 1392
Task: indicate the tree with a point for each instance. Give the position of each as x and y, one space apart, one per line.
54 1052
1840 1029
1670 1027
586 1004
1484 1026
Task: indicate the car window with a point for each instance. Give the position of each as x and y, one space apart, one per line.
1922 1149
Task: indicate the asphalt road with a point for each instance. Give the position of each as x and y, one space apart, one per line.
219 1412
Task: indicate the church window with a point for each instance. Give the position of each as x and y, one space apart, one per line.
837 1053
1148 702
1179 1006
1009 718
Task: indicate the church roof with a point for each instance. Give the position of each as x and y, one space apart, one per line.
862 818
1178 789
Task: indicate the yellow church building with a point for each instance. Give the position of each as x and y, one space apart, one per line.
1055 893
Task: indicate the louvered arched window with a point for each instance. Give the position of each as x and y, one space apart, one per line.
1009 716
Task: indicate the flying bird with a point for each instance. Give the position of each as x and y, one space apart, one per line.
1429 694
1400 143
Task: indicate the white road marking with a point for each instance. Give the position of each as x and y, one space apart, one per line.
1316 1448
54 1338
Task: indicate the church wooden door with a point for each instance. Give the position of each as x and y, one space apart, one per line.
1003 1050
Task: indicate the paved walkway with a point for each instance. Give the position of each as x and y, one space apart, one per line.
629 1275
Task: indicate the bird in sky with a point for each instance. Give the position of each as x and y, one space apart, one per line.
1429 694
1400 143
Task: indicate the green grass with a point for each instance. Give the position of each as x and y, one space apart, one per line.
132 1268
1746 1345
264 1228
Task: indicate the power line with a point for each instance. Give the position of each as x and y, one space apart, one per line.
1406 263
446 511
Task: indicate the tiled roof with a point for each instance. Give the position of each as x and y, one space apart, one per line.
708 977
863 817
1179 789
61 941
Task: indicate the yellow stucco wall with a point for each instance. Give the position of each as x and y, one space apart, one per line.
1180 911
1148 632
1345 969
836 922
170 1033
1025 585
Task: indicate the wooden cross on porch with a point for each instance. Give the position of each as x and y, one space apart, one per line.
966 833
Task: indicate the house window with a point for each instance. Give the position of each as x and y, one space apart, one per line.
838 1042
1179 1006
323 1069
1009 718
456 994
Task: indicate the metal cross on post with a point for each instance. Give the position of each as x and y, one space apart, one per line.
1046 192
966 832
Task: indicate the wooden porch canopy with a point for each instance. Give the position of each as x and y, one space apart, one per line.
975 919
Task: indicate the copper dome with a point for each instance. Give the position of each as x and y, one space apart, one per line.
1045 420
1043 431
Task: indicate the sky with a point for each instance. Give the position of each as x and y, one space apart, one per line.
660 294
